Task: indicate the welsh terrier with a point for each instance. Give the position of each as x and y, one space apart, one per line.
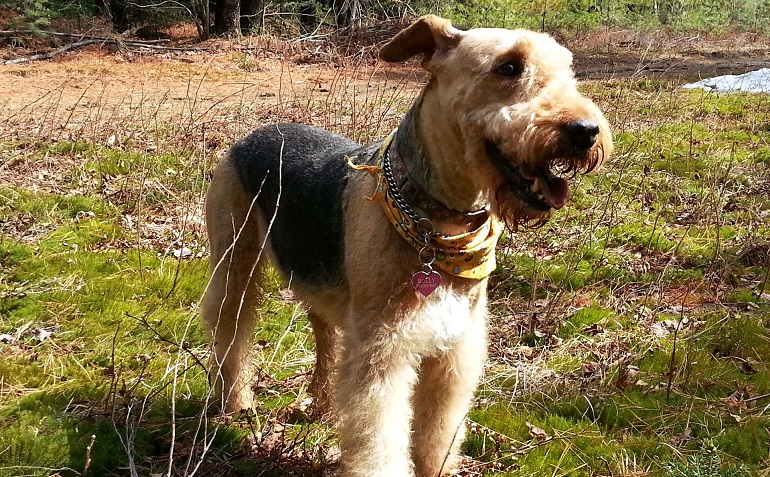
389 246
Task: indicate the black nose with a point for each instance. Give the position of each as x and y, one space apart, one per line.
582 132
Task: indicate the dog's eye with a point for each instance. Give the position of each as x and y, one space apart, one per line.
510 68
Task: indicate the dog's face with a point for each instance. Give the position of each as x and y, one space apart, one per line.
513 97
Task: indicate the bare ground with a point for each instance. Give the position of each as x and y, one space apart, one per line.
222 74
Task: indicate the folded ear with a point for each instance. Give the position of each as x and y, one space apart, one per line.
426 35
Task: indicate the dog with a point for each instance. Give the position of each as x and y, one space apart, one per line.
389 246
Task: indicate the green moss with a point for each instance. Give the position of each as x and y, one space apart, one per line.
585 318
68 148
747 441
762 155
738 335
52 207
583 450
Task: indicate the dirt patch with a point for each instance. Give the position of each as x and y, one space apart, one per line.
267 70
623 54
88 93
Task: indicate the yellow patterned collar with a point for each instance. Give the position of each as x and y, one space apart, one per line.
468 255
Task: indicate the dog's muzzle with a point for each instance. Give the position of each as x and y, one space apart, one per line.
523 185
538 187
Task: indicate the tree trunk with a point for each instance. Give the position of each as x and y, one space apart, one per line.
227 16
342 12
251 15
307 16
349 12
119 15
202 12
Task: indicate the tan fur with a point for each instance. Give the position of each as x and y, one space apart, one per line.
406 365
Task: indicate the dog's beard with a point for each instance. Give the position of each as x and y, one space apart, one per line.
514 213
527 198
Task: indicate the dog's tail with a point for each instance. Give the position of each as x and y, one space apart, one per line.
227 308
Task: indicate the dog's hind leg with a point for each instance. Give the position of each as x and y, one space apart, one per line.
442 399
227 309
321 386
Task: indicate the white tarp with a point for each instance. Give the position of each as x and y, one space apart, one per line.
752 82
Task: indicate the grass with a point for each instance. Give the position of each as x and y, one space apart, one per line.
629 335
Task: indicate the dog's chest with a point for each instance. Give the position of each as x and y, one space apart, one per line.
442 320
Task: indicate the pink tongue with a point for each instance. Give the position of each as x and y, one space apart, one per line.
555 190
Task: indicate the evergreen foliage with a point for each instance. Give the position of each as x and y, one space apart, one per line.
571 16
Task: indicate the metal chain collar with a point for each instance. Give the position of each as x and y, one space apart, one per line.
402 203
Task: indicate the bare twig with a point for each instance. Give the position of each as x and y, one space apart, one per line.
88 454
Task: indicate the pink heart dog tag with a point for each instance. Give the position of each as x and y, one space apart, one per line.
425 282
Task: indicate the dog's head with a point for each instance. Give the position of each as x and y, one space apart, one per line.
512 98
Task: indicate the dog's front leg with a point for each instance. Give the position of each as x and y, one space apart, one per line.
376 380
442 399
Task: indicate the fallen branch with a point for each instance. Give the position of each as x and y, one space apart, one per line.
51 54
149 44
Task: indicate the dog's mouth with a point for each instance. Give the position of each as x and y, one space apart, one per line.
538 188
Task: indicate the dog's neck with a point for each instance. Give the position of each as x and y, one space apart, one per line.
418 182
439 154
